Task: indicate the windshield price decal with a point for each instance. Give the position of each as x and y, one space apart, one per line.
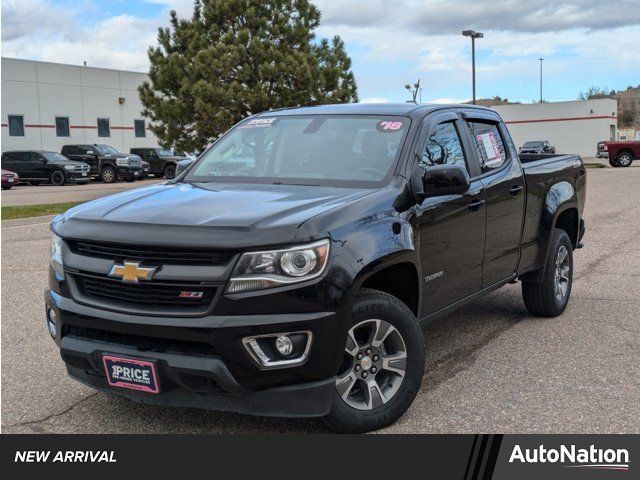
389 125
259 123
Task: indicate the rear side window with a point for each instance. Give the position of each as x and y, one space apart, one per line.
443 147
488 144
16 126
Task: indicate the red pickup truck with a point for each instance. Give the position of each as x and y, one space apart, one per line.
620 154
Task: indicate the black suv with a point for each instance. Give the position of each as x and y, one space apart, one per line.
36 166
162 161
106 162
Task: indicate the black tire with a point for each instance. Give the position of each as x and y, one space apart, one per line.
540 296
6 187
57 178
373 304
614 162
108 174
170 172
624 159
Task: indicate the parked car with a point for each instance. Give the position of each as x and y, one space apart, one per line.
162 161
37 166
537 146
106 162
296 285
9 179
620 154
182 165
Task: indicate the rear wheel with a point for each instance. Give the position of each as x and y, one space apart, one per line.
382 367
6 187
624 159
108 174
57 178
549 297
170 172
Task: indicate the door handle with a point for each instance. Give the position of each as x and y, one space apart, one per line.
515 190
475 205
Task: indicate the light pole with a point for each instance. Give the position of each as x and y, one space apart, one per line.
541 79
473 34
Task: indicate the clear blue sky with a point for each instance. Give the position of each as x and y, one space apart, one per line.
583 42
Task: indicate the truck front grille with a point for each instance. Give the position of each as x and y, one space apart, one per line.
154 254
152 297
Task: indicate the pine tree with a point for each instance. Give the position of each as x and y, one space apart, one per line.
234 58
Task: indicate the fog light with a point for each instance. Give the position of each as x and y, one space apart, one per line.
51 322
279 350
284 345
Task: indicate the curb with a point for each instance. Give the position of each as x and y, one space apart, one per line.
17 222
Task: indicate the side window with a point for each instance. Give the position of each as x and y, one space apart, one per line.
103 127
443 147
16 126
22 156
488 144
62 126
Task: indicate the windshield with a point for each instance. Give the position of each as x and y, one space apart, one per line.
54 157
106 150
532 144
163 152
311 149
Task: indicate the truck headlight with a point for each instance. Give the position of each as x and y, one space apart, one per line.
56 256
122 162
273 268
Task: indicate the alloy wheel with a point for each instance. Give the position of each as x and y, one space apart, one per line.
624 160
561 275
57 178
374 365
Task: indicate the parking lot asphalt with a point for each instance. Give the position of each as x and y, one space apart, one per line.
491 367
45 194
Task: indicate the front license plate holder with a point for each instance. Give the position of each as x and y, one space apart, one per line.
131 373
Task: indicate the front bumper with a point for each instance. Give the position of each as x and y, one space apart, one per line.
220 375
129 173
77 177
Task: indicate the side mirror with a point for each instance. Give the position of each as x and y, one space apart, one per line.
445 180
43 160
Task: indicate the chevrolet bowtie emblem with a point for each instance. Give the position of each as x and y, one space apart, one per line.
132 272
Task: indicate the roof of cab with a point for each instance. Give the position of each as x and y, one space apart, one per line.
404 109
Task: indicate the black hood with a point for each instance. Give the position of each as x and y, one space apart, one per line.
206 215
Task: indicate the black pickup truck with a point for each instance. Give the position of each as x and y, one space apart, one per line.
106 162
287 271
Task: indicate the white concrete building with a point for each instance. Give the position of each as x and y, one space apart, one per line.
572 127
47 105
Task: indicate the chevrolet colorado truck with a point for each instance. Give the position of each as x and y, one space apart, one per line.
620 154
287 272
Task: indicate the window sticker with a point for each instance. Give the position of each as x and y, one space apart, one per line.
389 125
259 123
488 141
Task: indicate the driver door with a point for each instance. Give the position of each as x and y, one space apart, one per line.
451 227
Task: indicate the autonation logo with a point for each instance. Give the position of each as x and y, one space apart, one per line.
592 457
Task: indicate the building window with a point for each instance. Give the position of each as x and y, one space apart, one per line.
103 127
62 127
139 128
16 125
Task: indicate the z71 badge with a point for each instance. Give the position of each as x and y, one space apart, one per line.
187 294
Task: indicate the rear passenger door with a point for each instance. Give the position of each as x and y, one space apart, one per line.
38 166
451 227
502 177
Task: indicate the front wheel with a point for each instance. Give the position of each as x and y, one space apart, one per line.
614 162
383 365
108 175
57 178
549 297
170 172
624 159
